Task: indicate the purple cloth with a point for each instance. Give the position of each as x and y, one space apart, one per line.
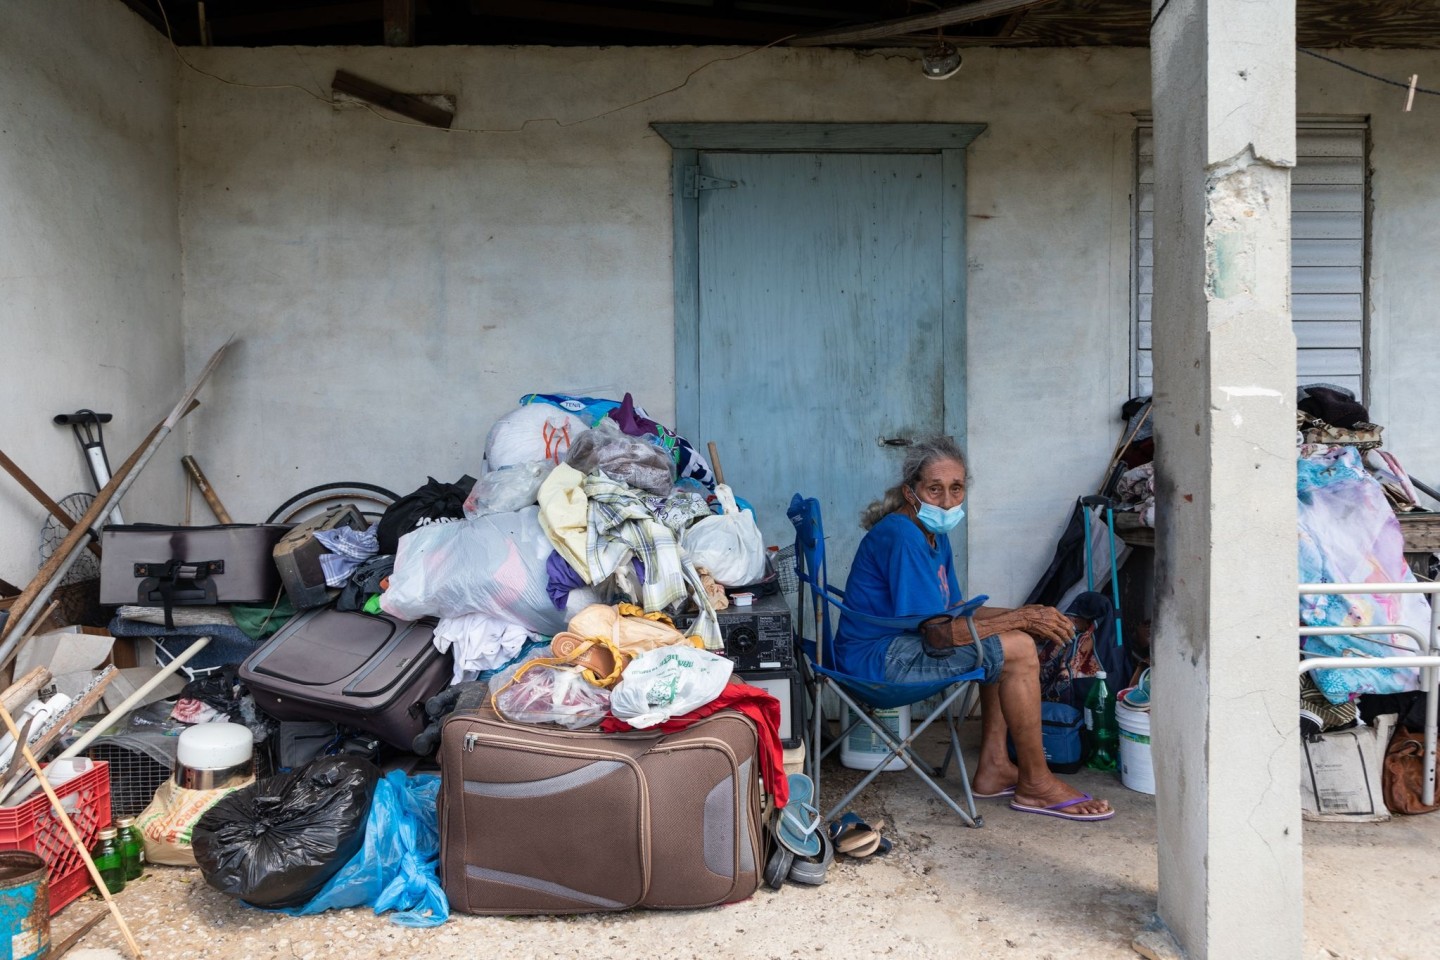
563 579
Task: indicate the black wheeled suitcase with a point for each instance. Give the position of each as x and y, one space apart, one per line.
366 671
155 565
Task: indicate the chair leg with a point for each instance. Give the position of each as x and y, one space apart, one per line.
901 749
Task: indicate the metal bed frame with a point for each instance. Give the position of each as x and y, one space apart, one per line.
1428 662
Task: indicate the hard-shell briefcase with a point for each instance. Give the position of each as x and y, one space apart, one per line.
366 671
544 820
155 565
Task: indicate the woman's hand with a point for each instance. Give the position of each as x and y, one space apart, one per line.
1042 623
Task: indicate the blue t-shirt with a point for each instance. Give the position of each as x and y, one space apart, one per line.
896 573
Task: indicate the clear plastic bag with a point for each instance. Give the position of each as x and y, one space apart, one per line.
630 460
507 489
493 564
549 694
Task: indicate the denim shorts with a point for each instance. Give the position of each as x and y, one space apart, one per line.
908 660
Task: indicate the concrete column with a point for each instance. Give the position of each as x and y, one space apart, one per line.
1225 679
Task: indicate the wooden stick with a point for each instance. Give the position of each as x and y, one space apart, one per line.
64 722
1124 445
715 462
206 491
69 826
63 947
1410 97
44 582
57 511
22 691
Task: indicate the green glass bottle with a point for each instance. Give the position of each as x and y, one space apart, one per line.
1100 724
132 848
108 860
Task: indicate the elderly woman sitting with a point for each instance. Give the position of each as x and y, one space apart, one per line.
904 568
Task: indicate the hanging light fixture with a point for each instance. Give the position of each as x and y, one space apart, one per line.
941 61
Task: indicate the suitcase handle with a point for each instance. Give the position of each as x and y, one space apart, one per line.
178 581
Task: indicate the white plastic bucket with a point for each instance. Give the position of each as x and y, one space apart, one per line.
1136 769
863 750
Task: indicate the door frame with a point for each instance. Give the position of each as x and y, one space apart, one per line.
688 140
949 140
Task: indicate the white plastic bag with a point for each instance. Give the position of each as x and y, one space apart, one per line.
535 432
493 564
728 545
666 682
507 489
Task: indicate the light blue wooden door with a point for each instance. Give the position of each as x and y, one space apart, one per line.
828 332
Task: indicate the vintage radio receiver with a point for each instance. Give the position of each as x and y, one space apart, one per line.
757 637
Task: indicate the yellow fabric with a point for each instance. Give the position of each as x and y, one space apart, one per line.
564 514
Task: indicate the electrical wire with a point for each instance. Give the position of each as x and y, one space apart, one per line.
1402 84
1156 19
170 35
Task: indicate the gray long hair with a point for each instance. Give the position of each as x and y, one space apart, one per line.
920 455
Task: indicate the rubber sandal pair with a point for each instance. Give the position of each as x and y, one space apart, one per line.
803 852
853 837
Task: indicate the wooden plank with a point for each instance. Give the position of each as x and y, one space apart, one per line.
686 213
952 321
604 17
399 23
933 20
808 137
407 105
1421 531
240 25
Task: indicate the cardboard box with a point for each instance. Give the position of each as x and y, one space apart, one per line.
1340 774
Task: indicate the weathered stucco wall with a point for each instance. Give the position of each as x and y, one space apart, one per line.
89 253
396 289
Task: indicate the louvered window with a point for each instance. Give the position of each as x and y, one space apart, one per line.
1327 254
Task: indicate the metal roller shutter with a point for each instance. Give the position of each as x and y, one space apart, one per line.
1327 254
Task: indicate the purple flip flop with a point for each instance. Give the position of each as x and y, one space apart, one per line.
1007 792
1058 809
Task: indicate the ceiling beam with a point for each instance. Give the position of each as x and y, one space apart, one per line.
305 18
399 23
965 13
587 15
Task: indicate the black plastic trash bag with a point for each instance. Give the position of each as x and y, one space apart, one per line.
435 502
276 842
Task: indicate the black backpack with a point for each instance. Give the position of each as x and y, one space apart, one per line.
435 502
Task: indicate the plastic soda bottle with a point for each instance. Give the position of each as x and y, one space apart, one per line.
1100 724
132 848
108 860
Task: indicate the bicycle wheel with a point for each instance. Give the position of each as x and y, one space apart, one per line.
371 499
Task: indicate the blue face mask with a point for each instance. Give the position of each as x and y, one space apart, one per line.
936 520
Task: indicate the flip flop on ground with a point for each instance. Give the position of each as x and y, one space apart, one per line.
798 827
1061 809
854 837
1007 792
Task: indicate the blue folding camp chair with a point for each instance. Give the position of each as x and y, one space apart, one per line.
864 697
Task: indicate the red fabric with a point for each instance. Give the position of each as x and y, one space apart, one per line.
755 704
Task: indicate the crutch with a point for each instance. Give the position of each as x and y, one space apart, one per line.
1109 505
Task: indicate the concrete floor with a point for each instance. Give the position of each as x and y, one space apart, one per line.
1020 887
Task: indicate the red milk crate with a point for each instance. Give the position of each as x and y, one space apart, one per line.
34 826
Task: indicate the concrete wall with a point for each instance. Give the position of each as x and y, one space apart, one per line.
89 253
397 288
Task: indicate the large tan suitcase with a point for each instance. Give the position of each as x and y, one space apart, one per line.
545 820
